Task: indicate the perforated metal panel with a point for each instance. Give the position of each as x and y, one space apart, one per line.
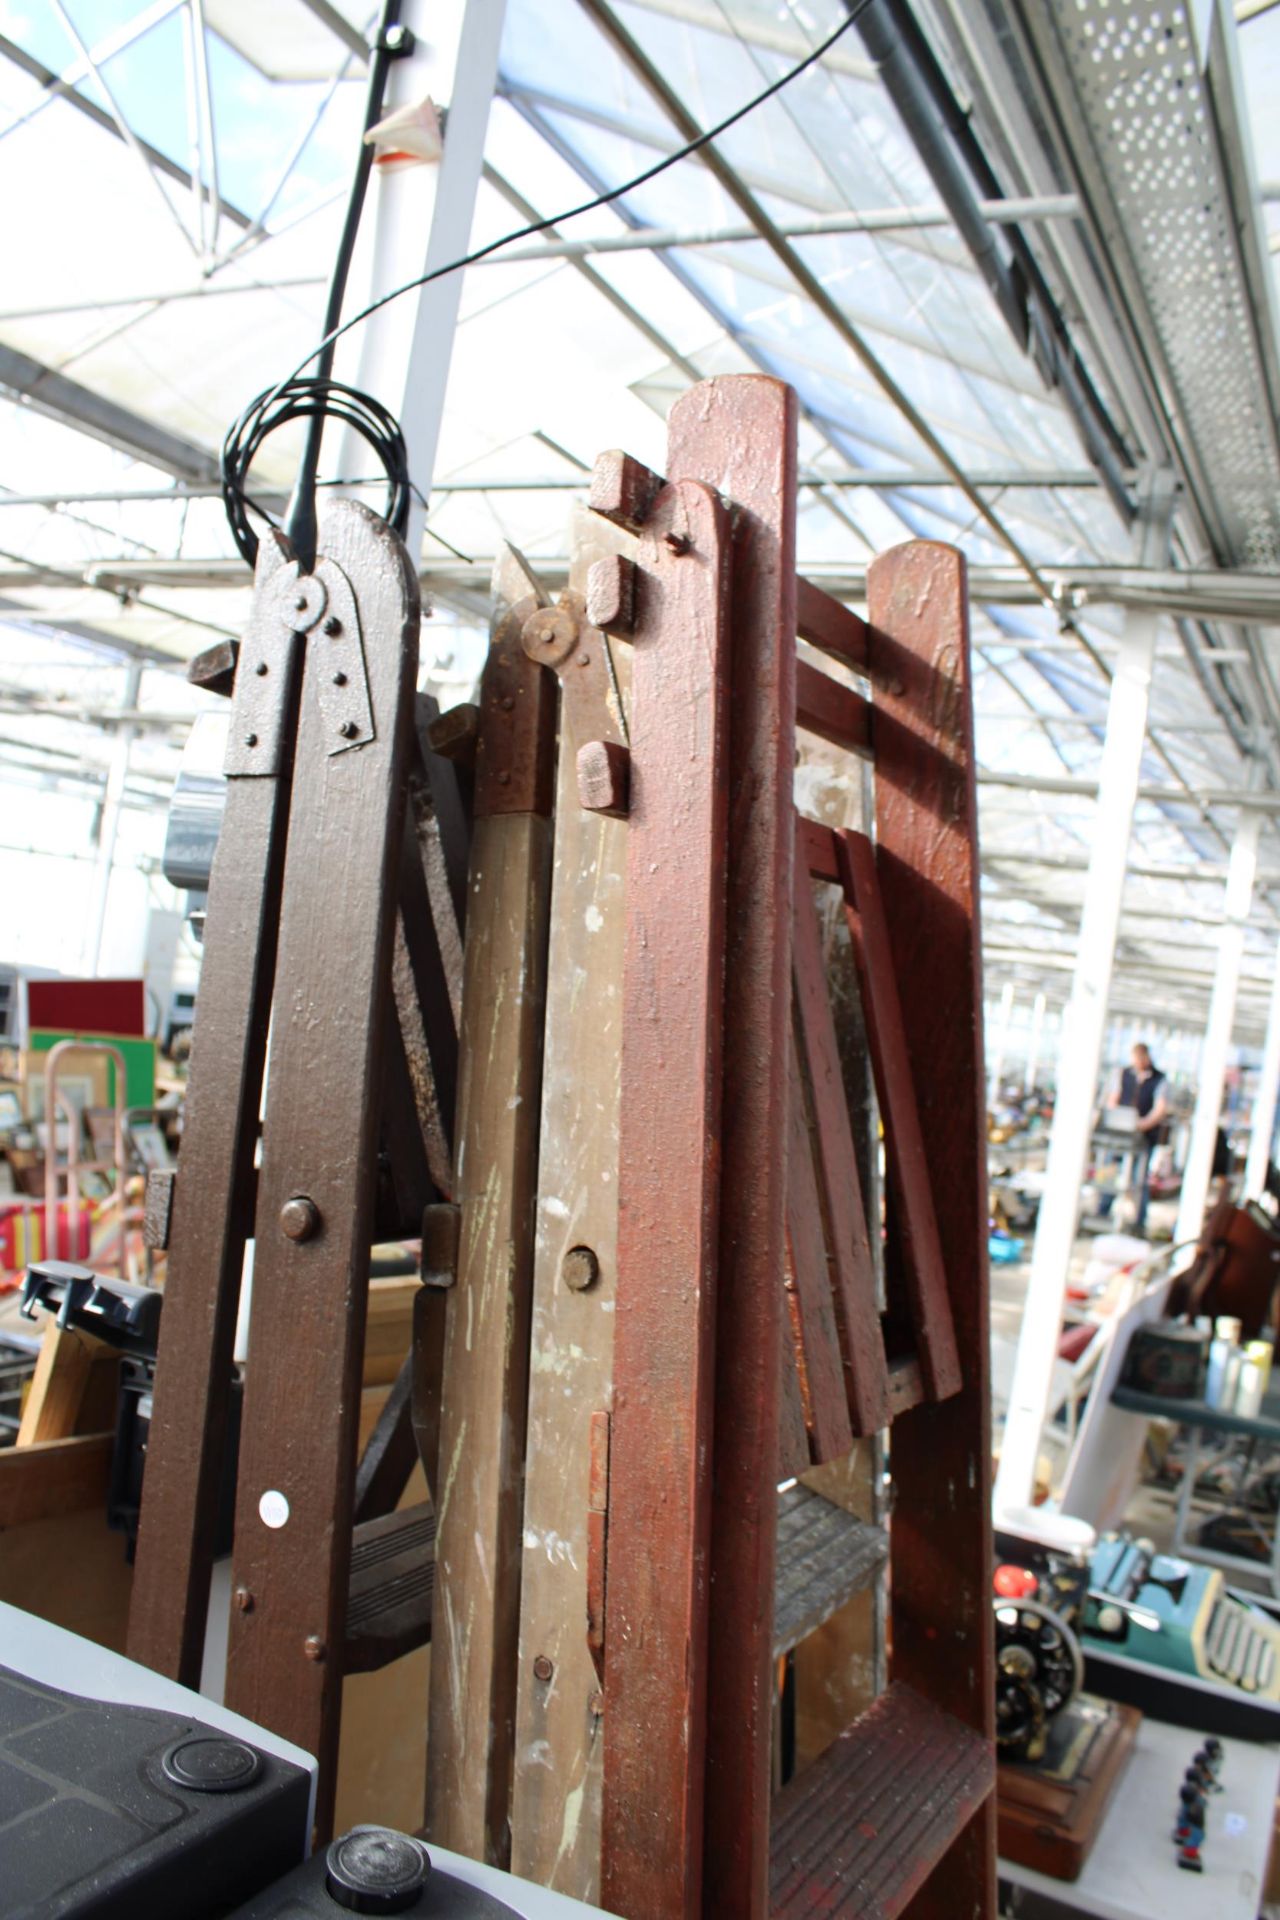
1136 83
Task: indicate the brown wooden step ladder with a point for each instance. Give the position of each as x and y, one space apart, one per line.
715 1307
333 922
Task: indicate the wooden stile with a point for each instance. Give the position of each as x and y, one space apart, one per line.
927 864
559 1726
923 1270
825 1397
213 1208
669 1201
739 436
839 1188
471 1723
294 1500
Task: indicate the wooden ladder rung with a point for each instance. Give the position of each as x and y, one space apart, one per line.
859 1832
828 624
825 1556
389 1594
831 710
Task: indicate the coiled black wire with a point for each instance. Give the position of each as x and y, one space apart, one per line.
311 399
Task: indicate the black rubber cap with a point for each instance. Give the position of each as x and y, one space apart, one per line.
211 1763
376 1870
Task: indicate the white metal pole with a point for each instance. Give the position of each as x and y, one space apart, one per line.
1003 1026
1264 1107
1217 1034
420 219
109 826
1083 1025
1033 1043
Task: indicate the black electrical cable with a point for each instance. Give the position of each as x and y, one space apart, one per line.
318 397
315 401
289 399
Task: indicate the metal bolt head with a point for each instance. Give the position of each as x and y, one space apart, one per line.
542 1667
261 668
580 1269
244 1600
333 626
508 704
397 40
339 679
504 778
313 1646
251 739
549 635
348 729
584 659
299 1218
300 603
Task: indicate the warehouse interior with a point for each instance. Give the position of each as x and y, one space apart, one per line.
640 993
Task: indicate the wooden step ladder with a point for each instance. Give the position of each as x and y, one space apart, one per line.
712 1310
333 920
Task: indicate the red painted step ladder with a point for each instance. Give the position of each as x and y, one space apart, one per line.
743 1236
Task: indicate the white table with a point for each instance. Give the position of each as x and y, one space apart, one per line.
1132 1872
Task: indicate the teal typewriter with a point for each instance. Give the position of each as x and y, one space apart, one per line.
1168 1613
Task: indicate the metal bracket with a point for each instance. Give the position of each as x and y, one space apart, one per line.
563 638
336 662
514 764
281 599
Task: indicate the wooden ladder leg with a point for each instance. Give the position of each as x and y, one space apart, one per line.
669 1175
485 1369
739 435
214 1188
555 1836
315 1188
927 864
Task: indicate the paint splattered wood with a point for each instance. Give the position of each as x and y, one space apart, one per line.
471 1720
315 1186
215 1186
739 435
826 1403
927 860
840 1190
920 1258
669 1179
555 1836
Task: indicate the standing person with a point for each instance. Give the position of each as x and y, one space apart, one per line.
1142 1086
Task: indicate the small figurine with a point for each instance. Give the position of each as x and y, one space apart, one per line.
1188 1797
1190 1831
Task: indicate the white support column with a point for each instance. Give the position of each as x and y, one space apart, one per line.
1264 1107
1033 1044
109 825
995 1072
1083 1024
1217 1035
419 219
